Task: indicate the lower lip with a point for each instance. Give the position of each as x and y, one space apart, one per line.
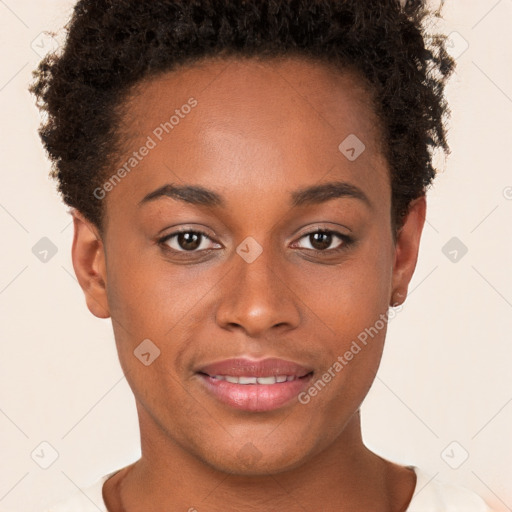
255 397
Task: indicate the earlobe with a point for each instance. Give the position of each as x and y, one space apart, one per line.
407 249
88 257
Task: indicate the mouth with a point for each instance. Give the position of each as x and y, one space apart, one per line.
255 386
255 394
245 380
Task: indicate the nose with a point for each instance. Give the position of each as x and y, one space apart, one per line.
258 298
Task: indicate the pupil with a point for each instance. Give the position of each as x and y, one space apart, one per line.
321 240
189 241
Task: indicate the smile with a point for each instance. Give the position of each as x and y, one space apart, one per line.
256 380
255 394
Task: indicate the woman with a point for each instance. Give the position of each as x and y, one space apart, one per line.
248 186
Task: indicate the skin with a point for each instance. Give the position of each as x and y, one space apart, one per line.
259 132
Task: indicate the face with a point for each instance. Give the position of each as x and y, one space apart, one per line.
283 249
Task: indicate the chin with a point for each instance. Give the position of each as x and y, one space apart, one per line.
252 459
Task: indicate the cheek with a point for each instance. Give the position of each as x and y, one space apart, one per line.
349 308
150 299
145 291
350 296
351 357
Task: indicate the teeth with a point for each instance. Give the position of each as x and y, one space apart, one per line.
247 380
266 380
255 380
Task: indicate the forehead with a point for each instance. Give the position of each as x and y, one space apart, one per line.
254 126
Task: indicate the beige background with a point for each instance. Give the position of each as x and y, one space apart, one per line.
445 376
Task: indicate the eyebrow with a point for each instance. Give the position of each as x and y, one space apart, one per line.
326 191
188 193
315 194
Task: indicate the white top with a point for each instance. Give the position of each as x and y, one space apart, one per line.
430 495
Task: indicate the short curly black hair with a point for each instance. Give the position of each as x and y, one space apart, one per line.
113 45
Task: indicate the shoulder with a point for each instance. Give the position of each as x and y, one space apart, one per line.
432 495
89 499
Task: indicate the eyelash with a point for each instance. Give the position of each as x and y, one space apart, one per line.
347 241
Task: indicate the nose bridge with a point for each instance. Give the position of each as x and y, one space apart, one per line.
257 297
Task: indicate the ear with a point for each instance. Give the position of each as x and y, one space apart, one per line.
88 256
407 248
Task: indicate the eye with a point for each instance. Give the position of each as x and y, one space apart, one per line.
187 241
321 240
195 241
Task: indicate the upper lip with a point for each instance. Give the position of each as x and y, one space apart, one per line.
243 367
